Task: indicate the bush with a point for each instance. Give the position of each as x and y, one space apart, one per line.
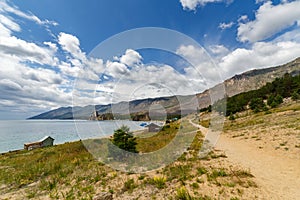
231 117
295 96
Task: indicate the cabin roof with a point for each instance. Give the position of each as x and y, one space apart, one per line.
40 141
44 138
153 125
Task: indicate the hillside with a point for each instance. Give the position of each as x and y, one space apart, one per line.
257 157
244 82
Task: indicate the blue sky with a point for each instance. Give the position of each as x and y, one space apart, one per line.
45 48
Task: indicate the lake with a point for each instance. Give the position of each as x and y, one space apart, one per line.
14 133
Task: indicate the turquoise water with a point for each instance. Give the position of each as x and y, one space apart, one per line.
13 134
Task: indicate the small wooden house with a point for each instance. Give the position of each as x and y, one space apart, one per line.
154 127
44 142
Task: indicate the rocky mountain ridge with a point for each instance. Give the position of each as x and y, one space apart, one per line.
176 105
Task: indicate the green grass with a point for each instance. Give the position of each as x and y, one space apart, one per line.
157 141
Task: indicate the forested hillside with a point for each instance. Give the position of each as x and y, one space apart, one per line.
268 96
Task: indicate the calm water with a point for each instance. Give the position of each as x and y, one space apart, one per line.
13 134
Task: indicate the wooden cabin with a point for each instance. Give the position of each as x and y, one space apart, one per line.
154 127
44 142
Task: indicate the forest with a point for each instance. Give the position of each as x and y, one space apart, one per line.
269 96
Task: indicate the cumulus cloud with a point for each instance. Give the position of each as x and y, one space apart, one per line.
131 57
27 50
280 16
24 79
260 55
71 44
116 69
203 68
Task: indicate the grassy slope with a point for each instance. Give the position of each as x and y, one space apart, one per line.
68 171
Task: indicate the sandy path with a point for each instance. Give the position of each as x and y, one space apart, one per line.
278 176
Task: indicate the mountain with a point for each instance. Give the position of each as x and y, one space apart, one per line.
176 105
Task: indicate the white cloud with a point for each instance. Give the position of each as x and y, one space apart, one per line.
9 23
218 50
5 7
260 55
224 26
71 44
192 4
26 50
8 84
203 67
195 55
24 80
269 20
243 19
52 46
131 57
81 65
260 1
116 69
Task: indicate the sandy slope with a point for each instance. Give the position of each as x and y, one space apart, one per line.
277 175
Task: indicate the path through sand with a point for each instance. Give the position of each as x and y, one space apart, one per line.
278 176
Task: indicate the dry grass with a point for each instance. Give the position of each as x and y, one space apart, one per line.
68 171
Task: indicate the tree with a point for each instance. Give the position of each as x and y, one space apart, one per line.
124 139
295 96
274 101
257 105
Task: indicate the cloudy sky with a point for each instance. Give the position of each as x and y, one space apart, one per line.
48 57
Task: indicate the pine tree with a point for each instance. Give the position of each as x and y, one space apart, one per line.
124 139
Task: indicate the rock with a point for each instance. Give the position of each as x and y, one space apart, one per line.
103 196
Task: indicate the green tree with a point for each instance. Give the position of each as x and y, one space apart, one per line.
257 105
270 99
124 139
295 96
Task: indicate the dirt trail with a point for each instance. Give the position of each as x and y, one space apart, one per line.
278 176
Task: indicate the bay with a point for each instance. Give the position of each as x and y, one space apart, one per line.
14 133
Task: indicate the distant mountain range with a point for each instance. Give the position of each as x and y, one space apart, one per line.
145 109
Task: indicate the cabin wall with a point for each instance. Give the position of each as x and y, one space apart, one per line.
48 142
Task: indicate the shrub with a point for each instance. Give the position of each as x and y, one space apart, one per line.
231 117
158 181
129 185
295 96
183 194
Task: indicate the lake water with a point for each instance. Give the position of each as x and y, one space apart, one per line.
13 134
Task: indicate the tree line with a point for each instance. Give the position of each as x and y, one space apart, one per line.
269 96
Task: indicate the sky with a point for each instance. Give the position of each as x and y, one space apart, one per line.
56 53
